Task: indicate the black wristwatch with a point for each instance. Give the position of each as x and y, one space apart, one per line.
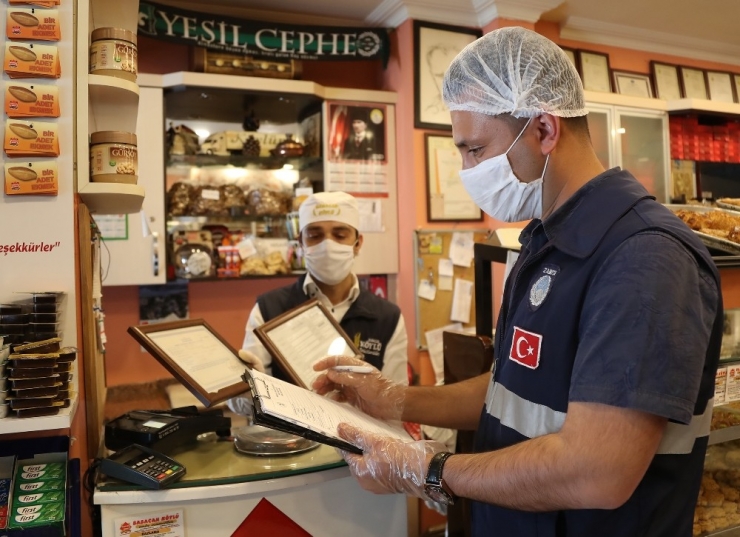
434 485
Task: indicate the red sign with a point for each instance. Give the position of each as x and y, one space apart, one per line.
525 348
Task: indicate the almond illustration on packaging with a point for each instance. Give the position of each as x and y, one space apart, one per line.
31 100
22 173
24 18
24 131
41 177
24 95
36 24
22 53
31 139
31 60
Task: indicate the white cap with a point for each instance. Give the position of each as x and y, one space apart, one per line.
329 206
514 71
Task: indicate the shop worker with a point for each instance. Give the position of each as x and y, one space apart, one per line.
329 237
596 417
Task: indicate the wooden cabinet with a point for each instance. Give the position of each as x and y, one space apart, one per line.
216 108
104 103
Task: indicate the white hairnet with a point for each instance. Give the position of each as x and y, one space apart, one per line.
514 71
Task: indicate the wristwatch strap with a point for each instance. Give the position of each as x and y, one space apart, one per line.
434 472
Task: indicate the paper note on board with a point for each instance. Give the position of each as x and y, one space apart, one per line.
462 299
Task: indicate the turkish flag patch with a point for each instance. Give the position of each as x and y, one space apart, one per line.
525 348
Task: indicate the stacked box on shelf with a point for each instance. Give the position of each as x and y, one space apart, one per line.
33 319
37 505
39 376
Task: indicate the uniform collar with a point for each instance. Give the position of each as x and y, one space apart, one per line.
312 290
579 225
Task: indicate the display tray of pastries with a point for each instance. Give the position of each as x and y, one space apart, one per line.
729 203
718 228
718 504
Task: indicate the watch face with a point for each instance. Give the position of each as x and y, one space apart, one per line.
437 494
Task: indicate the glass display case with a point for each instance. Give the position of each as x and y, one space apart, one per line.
238 164
634 139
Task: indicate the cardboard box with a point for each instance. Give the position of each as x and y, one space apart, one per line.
37 518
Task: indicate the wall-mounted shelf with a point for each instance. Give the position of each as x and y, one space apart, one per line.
268 85
701 106
112 198
624 100
114 103
63 420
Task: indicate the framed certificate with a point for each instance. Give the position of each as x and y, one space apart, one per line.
694 83
633 84
197 356
720 86
736 79
594 70
571 53
435 46
666 83
300 337
447 199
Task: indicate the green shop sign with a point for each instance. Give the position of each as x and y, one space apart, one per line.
262 39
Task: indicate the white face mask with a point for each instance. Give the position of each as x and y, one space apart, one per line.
499 193
329 262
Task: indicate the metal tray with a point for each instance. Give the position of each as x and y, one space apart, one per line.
261 441
710 241
728 206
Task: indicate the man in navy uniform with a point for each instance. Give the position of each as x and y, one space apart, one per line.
595 419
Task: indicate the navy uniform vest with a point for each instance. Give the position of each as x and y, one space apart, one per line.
370 321
614 208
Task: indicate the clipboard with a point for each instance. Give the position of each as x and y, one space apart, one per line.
301 336
196 356
285 407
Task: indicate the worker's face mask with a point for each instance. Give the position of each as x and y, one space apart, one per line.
499 193
328 261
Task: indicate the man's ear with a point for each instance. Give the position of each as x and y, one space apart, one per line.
548 129
358 244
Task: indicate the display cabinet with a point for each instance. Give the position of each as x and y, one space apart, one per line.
231 158
635 139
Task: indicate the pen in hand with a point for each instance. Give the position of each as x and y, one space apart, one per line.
364 369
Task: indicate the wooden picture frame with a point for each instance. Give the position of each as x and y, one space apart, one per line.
595 71
314 333
447 200
182 348
572 55
435 46
736 84
693 83
720 86
666 81
632 83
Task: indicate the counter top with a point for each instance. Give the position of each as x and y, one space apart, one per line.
216 469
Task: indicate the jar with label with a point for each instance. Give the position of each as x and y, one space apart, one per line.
113 157
113 52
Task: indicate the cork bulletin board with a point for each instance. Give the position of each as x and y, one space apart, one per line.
431 246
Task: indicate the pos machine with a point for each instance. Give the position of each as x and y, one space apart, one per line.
164 429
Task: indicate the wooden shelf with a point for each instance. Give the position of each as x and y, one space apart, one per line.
271 85
699 106
63 420
242 161
703 106
625 100
114 103
112 198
